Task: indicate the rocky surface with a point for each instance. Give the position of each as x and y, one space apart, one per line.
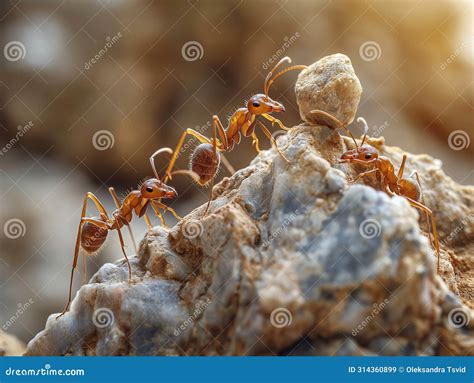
10 346
292 259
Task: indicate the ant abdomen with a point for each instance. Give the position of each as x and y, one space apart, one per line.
410 189
92 237
205 163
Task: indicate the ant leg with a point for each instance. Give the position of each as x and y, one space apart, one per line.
147 221
191 132
166 208
433 224
364 174
402 167
255 142
422 195
117 205
122 245
160 216
274 121
77 247
272 140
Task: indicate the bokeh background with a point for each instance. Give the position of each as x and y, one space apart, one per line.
89 89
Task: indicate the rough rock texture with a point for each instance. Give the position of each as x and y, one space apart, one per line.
331 85
10 346
290 260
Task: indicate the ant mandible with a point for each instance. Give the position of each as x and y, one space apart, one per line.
92 231
393 184
205 159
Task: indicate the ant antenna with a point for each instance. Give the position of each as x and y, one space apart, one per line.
270 74
270 79
366 128
189 173
152 159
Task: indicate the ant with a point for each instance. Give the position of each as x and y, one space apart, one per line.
92 231
205 159
393 184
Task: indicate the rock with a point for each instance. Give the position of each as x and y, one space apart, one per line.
331 85
10 346
291 260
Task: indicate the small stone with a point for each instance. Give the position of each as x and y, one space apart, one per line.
331 85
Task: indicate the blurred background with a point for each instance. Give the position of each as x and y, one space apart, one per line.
90 89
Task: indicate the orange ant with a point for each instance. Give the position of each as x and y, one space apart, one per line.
393 184
92 231
205 159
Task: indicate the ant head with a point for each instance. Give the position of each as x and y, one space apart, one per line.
153 188
362 153
261 103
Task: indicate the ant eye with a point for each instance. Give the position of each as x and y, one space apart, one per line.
256 104
367 156
149 189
